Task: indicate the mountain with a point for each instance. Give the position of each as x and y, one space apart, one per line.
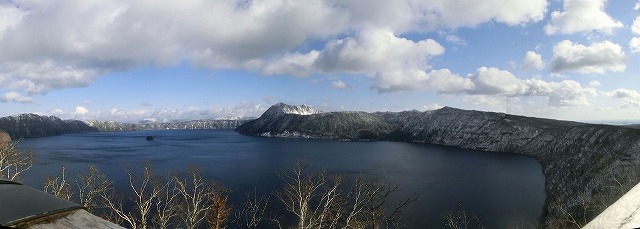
636 126
281 108
32 125
300 121
587 166
193 124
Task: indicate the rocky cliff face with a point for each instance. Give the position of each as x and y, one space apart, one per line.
194 124
32 125
581 162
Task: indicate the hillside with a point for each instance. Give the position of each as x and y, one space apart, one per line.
587 166
32 126
193 124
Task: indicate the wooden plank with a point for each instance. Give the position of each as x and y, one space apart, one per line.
79 219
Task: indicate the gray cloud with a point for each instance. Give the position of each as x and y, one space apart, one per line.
15 97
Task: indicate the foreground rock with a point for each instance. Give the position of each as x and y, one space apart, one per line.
587 166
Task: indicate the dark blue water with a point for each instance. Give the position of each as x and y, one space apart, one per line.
504 190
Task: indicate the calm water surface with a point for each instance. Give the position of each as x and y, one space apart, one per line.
504 190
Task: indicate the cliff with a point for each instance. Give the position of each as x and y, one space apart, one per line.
586 166
32 125
193 124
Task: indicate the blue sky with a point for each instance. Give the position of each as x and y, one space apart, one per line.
135 60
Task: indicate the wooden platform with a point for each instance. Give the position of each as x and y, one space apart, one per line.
624 213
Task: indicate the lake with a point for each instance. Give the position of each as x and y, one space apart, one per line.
504 190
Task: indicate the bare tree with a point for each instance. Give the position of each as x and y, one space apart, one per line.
376 194
573 214
253 210
321 202
193 197
356 207
460 219
93 186
299 191
144 194
165 206
58 186
14 161
114 201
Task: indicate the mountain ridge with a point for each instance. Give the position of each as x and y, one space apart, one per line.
578 159
33 125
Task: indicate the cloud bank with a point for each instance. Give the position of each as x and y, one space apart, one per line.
46 47
49 45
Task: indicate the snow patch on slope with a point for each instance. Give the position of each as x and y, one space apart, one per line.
281 108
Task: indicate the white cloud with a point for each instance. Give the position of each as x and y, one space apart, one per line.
46 47
432 106
455 39
419 15
10 17
15 97
491 100
494 81
241 109
570 93
631 97
376 53
596 58
57 112
602 109
490 86
376 50
634 45
40 77
80 110
296 64
631 104
635 27
340 85
595 83
532 60
471 13
582 16
624 93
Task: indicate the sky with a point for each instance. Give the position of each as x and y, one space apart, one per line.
175 60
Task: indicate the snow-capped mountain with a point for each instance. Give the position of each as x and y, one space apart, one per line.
167 125
281 108
575 156
33 125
